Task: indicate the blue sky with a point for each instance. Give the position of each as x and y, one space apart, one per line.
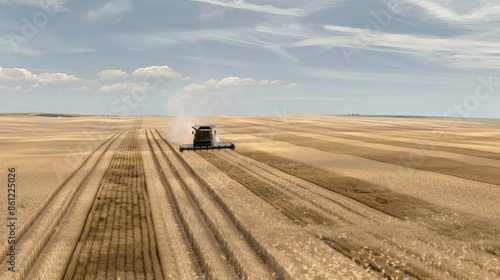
251 57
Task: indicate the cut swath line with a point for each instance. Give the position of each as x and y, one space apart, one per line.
123 232
236 252
48 216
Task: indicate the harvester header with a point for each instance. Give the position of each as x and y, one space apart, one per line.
204 138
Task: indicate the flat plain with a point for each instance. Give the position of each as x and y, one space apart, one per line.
301 197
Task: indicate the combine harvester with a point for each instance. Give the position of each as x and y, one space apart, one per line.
204 139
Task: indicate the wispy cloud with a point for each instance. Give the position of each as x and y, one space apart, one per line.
6 88
269 9
294 8
50 6
443 11
426 46
41 42
112 9
15 43
249 38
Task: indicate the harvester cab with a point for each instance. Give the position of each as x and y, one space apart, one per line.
204 138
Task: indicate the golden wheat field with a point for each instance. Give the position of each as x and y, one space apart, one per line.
301 197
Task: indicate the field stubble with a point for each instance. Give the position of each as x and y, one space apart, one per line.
319 197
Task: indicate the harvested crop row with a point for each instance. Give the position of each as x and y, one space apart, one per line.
38 230
366 249
424 217
288 247
428 138
117 240
174 249
281 200
479 173
305 213
216 241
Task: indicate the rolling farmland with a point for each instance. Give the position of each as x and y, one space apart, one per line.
301 197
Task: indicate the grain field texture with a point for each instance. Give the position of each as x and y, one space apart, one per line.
301 197
118 239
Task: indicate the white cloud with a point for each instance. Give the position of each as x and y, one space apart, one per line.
51 78
22 74
228 82
231 81
193 87
112 74
344 29
268 82
16 74
292 85
113 8
209 98
157 72
125 87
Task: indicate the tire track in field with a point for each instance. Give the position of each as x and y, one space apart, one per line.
377 197
417 159
479 173
435 219
300 189
395 139
118 237
35 233
137 123
222 249
304 212
427 146
27 225
179 260
279 199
